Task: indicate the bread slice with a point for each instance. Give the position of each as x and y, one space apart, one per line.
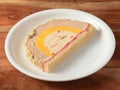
57 44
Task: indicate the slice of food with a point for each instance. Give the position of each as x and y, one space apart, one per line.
49 44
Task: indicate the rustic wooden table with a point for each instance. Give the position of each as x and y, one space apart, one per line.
11 11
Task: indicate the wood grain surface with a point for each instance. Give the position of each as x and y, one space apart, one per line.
11 11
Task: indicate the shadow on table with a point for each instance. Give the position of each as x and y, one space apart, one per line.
96 81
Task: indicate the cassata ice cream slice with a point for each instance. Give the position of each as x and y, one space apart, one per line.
49 44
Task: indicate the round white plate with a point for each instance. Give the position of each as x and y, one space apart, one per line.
85 61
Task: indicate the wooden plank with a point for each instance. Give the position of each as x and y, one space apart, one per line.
105 79
5 28
75 1
83 6
2 40
10 14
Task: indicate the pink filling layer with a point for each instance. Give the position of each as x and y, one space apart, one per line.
49 59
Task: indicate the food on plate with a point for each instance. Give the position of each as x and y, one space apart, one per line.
50 43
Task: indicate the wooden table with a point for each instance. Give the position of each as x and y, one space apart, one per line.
11 11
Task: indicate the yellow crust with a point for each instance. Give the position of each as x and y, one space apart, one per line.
35 61
48 67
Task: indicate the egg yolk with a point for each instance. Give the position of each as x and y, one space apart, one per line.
40 41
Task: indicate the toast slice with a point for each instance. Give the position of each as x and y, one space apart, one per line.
49 44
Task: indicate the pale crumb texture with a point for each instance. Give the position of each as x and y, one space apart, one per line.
50 65
57 40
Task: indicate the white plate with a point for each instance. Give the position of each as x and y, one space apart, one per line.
85 61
